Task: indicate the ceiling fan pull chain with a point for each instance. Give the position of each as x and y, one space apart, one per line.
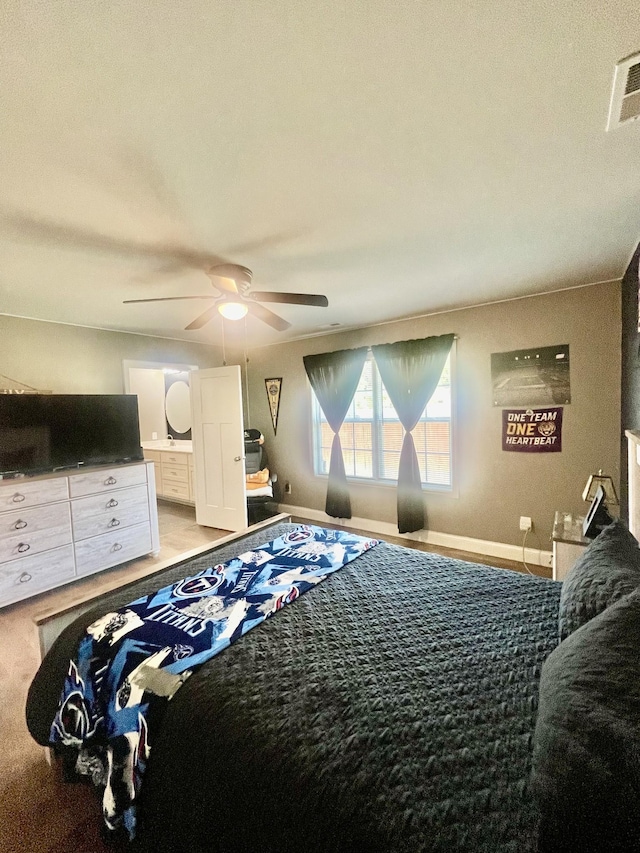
246 373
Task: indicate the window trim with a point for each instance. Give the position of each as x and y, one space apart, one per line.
449 490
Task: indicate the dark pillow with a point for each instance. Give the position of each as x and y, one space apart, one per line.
586 759
608 569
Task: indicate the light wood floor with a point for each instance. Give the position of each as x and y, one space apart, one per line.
39 813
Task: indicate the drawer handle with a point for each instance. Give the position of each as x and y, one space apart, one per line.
112 503
20 524
117 547
25 577
23 547
17 498
114 523
110 481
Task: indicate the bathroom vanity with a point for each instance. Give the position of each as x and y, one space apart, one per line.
174 469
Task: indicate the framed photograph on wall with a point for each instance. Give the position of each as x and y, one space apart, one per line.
531 377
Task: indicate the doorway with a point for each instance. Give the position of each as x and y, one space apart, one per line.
164 398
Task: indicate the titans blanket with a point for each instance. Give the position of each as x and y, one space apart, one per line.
133 660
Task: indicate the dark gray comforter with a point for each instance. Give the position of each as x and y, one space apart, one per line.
390 709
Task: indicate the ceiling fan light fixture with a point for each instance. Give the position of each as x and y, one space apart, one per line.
232 310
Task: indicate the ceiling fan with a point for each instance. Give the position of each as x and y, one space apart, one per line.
236 299
233 281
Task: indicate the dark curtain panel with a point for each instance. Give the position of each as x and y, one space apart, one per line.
410 371
334 377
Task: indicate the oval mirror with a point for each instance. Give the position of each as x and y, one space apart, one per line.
177 406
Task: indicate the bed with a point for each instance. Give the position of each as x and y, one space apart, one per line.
392 709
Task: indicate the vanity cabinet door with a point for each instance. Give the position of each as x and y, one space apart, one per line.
175 472
172 458
172 489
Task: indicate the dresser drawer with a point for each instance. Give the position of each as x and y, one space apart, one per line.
34 530
172 472
169 458
30 575
103 513
18 494
175 490
29 521
107 479
110 549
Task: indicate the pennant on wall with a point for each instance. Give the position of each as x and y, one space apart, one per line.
532 430
273 387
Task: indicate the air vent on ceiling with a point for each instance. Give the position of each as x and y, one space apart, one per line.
625 97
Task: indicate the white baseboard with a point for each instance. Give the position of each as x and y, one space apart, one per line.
533 556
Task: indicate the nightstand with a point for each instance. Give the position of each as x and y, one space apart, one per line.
568 542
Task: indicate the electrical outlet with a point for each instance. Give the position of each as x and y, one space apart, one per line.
287 488
525 523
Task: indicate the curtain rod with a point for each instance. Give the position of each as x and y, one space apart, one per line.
455 338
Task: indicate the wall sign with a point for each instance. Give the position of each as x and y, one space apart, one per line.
273 387
532 430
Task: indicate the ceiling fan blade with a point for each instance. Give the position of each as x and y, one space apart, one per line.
290 298
262 313
202 319
166 299
75 236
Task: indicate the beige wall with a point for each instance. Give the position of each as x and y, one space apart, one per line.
75 360
149 386
494 487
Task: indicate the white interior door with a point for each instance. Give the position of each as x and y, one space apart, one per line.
218 447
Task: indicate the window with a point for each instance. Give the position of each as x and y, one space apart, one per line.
371 435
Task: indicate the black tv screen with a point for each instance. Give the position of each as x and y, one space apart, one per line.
46 432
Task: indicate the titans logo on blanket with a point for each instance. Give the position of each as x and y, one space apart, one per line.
137 657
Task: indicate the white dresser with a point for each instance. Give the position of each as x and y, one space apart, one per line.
60 527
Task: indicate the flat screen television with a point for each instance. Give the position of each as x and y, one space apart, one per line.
48 432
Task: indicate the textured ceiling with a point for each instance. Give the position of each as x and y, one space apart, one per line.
400 157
